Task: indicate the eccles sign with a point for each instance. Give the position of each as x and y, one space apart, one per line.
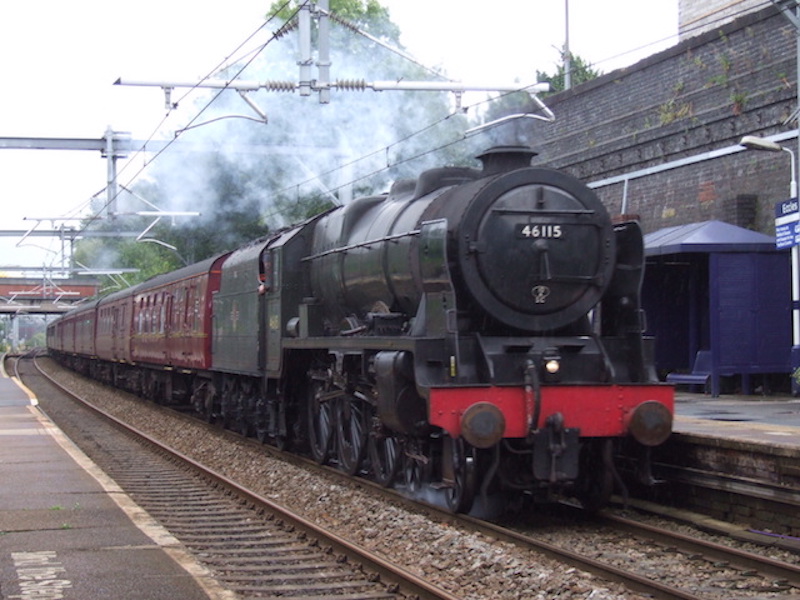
787 223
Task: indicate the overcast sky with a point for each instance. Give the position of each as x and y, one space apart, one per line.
59 60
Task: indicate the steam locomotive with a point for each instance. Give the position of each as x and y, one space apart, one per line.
473 331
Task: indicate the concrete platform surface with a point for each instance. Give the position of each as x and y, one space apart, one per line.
770 420
67 531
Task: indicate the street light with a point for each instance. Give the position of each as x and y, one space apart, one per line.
752 142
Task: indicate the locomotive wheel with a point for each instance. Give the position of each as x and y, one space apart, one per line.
280 438
264 421
320 423
149 387
597 471
460 494
203 402
208 412
245 414
414 462
233 407
226 403
248 402
412 471
384 457
261 419
351 433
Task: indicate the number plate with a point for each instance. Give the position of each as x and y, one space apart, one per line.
539 231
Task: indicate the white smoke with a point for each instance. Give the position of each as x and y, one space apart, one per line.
357 144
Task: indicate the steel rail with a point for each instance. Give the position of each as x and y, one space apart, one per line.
408 582
632 580
763 564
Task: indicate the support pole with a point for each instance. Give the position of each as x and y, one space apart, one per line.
324 57
111 184
304 60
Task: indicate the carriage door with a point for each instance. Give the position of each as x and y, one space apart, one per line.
114 331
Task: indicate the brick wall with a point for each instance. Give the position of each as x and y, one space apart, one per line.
702 95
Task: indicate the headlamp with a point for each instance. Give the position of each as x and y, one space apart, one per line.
552 366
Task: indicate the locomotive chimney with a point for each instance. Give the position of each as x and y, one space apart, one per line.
506 158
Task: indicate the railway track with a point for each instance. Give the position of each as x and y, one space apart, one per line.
633 552
256 548
637 552
661 565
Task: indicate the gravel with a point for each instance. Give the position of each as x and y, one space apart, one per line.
466 564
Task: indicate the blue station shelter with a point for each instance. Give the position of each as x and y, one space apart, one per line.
718 301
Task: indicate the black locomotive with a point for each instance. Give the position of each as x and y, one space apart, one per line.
473 331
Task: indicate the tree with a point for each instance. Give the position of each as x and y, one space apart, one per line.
580 69
150 259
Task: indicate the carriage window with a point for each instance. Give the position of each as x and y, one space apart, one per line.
197 317
189 316
148 315
178 312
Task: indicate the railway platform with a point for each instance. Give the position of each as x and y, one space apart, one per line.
736 460
66 531
754 419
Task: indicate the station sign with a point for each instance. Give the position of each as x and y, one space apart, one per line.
787 223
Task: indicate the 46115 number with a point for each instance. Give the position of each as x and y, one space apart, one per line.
540 231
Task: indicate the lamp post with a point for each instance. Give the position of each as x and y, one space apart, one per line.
752 142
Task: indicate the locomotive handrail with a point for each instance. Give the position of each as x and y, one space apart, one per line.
541 212
388 238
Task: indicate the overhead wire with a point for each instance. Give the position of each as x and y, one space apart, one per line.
386 149
253 54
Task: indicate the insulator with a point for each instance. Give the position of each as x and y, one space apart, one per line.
279 86
286 28
342 21
350 85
